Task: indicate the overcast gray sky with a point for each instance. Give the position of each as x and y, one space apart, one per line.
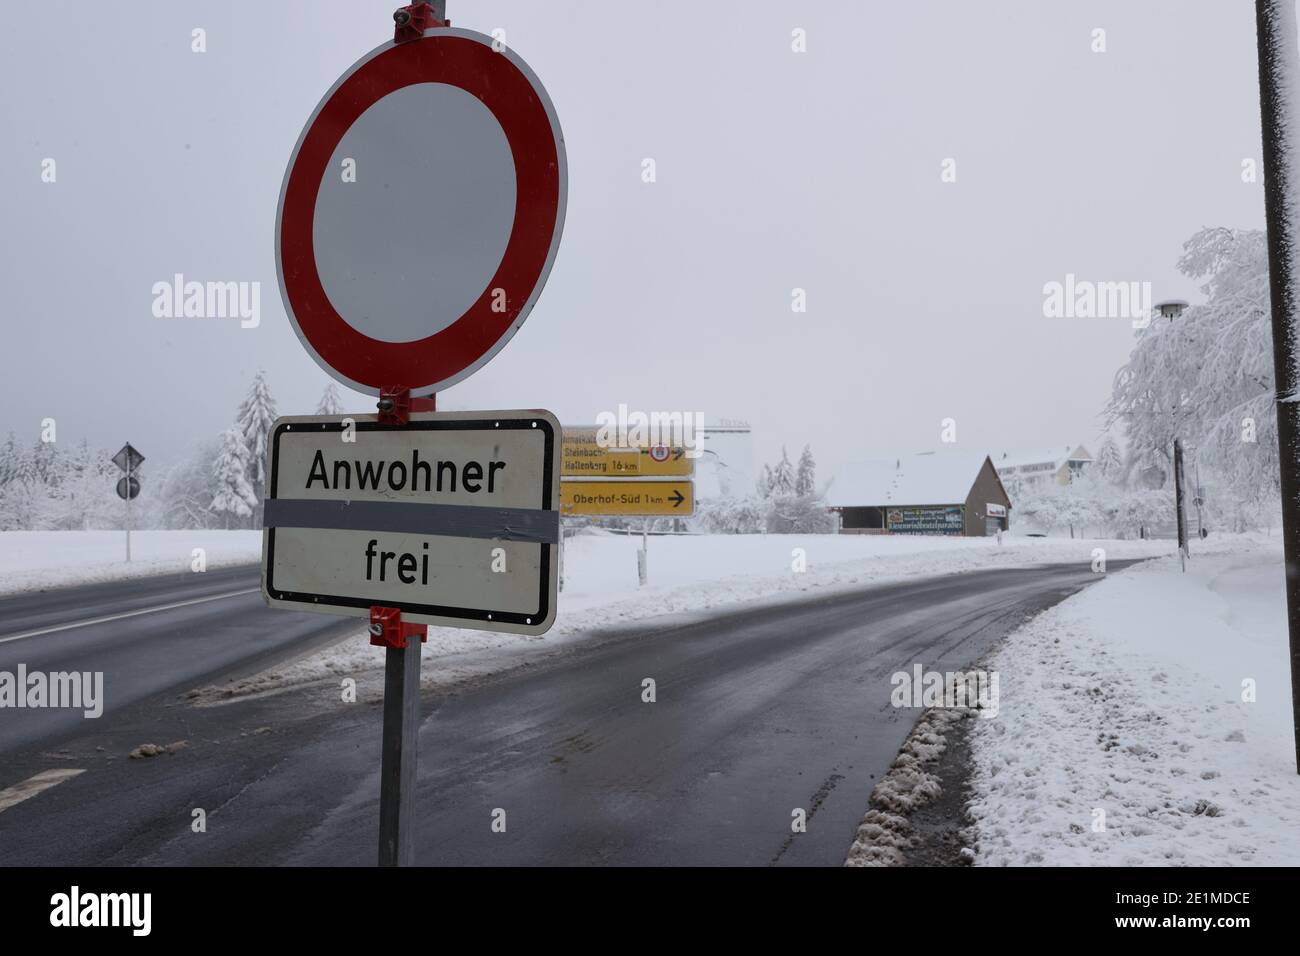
776 170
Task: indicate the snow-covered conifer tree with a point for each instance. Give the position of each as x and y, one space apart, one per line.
235 499
330 403
1110 463
805 478
256 415
783 476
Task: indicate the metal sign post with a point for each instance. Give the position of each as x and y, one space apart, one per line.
129 460
426 518
400 753
654 480
400 738
447 518
128 511
1275 22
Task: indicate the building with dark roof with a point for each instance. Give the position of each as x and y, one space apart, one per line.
932 493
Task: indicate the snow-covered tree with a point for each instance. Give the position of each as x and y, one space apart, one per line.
805 476
788 497
32 475
257 413
1140 509
1110 463
234 499
798 514
1086 507
24 505
732 515
185 491
12 456
48 463
330 403
86 495
1207 376
783 476
1091 506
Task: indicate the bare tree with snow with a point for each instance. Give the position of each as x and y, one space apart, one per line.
86 497
1207 376
185 492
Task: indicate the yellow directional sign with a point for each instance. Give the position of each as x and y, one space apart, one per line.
624 497
582 457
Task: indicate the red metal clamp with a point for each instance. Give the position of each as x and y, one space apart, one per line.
387 629
394 406
397 403
410 22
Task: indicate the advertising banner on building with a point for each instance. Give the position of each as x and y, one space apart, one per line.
945 519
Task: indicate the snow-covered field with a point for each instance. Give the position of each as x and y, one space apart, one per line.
689 574
1130 699
30 560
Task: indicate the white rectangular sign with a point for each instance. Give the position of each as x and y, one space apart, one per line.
452 518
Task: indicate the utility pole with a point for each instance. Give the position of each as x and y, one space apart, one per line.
1180 503
1279 102
1198 499
1172 309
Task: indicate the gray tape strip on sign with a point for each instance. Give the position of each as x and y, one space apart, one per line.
461 521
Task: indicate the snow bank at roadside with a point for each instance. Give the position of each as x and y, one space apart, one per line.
885 834
34 560
1127 700
690 574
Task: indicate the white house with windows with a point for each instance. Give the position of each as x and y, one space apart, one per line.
1030 468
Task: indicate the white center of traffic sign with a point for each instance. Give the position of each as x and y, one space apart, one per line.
399 264
421 212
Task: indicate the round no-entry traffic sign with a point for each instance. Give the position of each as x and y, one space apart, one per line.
128 488
421 212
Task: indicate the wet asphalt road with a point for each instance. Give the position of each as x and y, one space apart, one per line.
757 712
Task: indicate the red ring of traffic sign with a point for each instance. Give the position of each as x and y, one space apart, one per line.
505 85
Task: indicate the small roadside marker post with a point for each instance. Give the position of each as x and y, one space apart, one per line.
643 556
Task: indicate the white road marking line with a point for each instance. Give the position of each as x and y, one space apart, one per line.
34 785
126 614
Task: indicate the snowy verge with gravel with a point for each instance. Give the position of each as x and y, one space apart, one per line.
1146 721
38 560
688 574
